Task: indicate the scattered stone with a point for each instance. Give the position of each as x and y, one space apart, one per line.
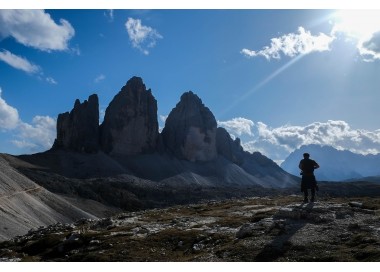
94 242
319 232
198 247
355 204
104 223
289 213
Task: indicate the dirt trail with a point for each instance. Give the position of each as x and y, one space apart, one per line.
20 192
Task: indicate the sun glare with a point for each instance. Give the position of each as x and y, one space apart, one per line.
359 24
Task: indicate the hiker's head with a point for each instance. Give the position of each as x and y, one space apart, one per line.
306 155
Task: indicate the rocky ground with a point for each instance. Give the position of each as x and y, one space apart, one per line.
250 229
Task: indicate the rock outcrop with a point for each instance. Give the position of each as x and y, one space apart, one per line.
229 148
130 124
79 129
190 130
239 230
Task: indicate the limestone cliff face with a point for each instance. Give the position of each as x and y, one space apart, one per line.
229 148
190 130
130 124
79 129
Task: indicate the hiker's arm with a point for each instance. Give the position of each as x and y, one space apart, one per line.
316 166
300 166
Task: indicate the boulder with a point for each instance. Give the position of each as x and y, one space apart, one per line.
130 124
190 130
79 129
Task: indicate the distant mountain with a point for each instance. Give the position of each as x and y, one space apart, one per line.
335 165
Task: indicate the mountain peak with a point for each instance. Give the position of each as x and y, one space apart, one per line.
79 129
130 124
335 165
190 130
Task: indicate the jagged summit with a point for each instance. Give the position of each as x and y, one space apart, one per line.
79 129
190 130
190 148
130 124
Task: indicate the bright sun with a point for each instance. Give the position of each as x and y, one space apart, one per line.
360 24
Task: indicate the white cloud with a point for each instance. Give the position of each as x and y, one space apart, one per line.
109 14
370 49
277 143
142 37
75 50
237 126
163 118
18 62
35 28
51 80
9 117
34 137
359 26
99 78
37 136
102 113
293 44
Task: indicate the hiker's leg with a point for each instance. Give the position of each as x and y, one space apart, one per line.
306 194
312 194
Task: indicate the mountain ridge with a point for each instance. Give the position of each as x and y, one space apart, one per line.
129 142
335 165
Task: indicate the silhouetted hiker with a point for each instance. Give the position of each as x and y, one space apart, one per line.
307 167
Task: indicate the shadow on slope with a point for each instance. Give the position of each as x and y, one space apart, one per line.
25 205
255 171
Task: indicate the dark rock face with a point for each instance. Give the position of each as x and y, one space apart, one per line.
190 130
79 129
230 149
130 124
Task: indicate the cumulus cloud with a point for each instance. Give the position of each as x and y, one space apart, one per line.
34 137
293 44
18 62
35 28
9 117
237 126
359 26
99 78
37 136
142 37
370 49
362 27
277 143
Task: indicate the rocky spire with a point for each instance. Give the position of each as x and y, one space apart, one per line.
130 124
79 129
229 148
190 130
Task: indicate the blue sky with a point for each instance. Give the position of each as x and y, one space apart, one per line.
277 79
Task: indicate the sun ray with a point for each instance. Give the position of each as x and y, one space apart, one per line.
265 81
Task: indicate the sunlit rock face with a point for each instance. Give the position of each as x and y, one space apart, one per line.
190 130
130 124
